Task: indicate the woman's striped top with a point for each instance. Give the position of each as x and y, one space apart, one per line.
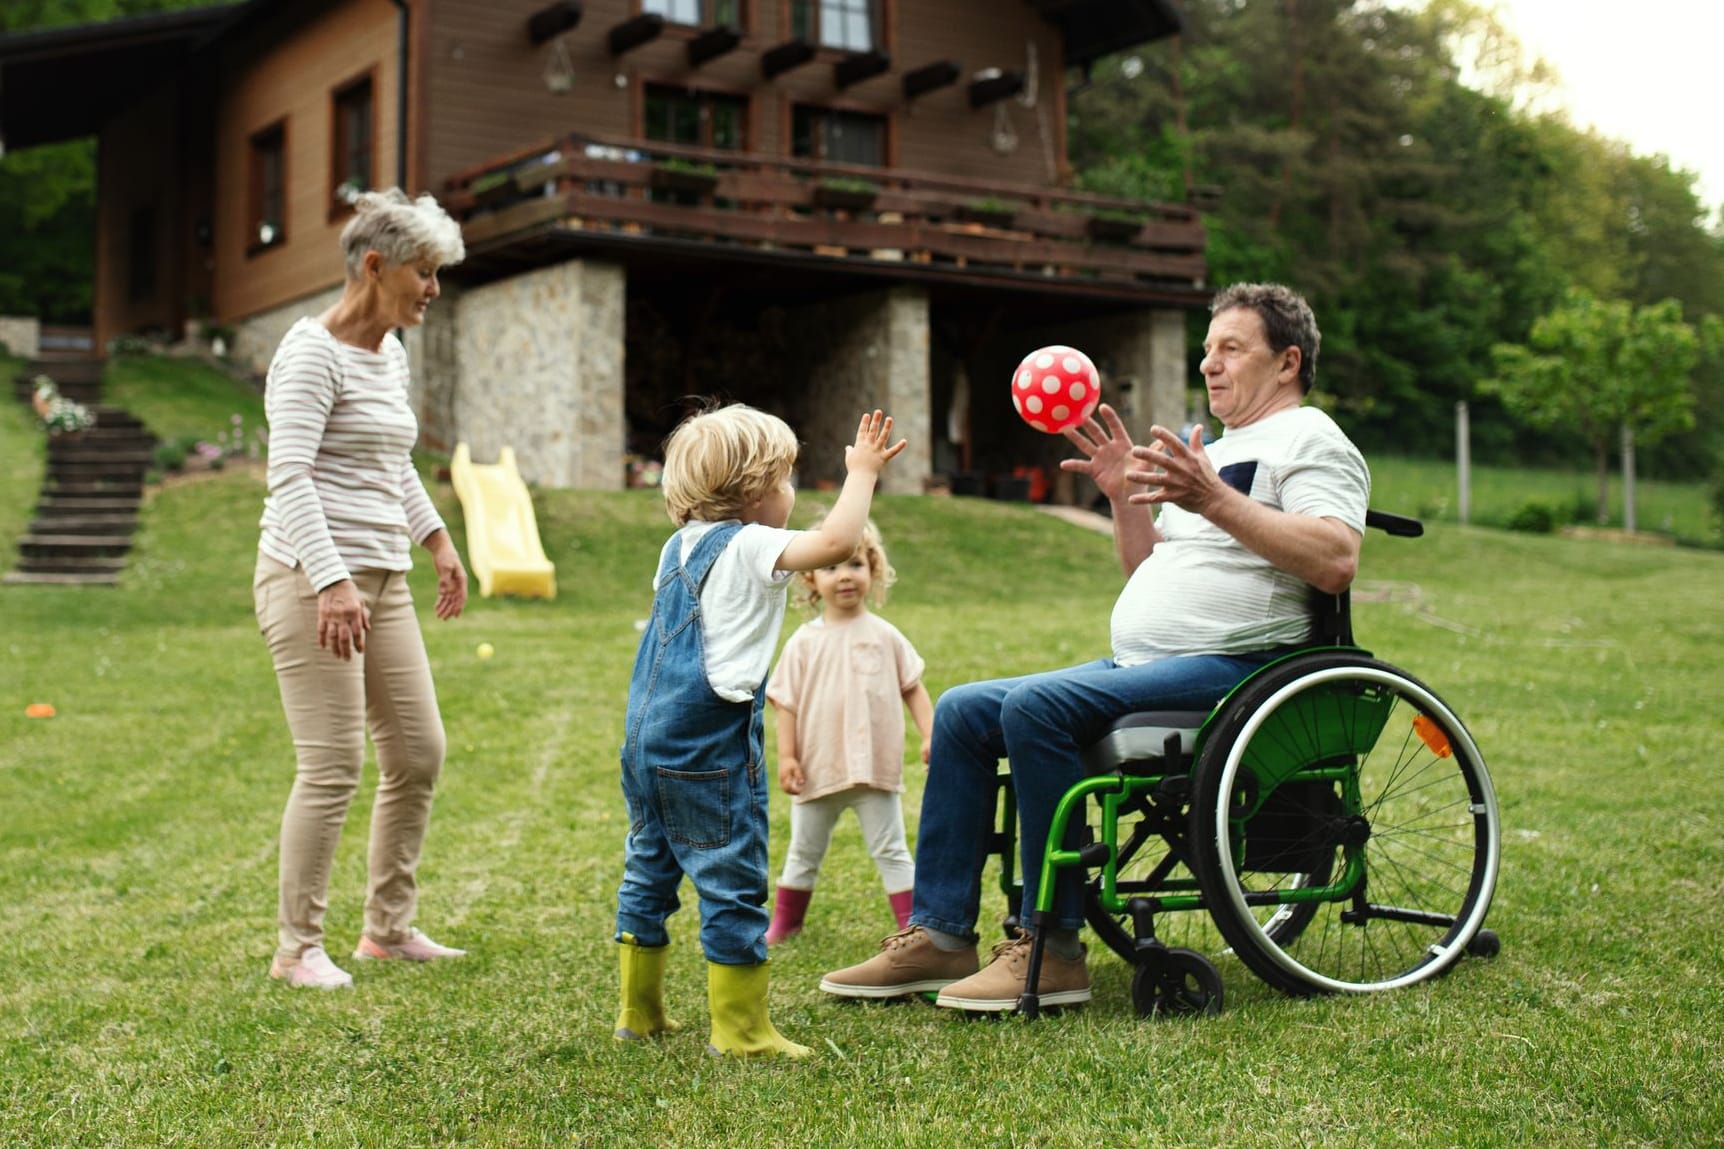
343 493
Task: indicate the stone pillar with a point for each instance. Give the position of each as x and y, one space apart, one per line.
539 367
21 335
863 352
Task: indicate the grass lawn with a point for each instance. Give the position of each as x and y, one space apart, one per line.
137 872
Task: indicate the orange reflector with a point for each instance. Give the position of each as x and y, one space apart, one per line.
1432 735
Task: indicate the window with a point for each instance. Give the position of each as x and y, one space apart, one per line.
352 139
267 214
141 244
702 119
847 25
713 12
839 137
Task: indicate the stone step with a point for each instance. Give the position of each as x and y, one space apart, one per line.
59 453
71 564
96 471
77 524
61 578
94 489
78 546
111 416
87 505
84 369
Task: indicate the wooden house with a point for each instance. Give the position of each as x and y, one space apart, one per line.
812 205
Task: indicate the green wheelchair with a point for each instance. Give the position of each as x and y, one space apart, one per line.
1330 816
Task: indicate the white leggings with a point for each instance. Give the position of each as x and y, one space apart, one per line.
882 818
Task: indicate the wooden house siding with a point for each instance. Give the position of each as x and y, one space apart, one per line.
290 77
486 94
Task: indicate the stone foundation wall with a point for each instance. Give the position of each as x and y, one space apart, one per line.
21 335
257 336
538 366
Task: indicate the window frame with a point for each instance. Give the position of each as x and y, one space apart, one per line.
880 20
256 142
825 111
703 93
339 145
706 8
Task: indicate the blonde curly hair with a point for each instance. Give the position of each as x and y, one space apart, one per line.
880 570
722 459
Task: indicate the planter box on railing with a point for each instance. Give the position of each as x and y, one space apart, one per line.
691 181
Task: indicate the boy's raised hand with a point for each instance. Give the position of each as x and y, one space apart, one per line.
873 448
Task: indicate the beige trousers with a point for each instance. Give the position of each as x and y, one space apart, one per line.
330 704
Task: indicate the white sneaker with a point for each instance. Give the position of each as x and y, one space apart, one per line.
311 970
417 947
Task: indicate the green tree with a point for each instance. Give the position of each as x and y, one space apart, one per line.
1600 367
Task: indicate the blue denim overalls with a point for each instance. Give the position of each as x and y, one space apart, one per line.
694 780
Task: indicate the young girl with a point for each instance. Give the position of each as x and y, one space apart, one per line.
693 759
840 689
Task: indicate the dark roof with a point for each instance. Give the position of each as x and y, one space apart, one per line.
1096 28
62 83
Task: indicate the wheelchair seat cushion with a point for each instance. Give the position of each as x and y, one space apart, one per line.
1144 737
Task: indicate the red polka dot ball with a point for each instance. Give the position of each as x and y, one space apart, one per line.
1055 388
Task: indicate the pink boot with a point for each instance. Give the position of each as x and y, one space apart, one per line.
787 914
901 906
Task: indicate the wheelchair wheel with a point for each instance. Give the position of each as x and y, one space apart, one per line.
1176 982
1355 774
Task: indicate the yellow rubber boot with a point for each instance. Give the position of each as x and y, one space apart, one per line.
740 1027
642 1014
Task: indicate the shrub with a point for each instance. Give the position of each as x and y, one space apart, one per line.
169 455
1535 517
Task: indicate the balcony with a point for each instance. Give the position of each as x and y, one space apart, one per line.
629 197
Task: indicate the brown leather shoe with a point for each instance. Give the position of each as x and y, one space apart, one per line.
997 988
908 962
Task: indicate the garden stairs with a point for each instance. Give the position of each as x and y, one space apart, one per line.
88 510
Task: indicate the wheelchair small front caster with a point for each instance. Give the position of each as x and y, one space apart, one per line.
1485 944
1176 981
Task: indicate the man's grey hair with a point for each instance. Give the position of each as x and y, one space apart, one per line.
1287 321
401 230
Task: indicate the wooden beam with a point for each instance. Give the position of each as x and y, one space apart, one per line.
632 33
553 20
930 77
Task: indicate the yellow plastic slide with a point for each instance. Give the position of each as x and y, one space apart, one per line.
502 533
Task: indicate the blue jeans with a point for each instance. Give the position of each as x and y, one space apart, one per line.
1038 722
694 779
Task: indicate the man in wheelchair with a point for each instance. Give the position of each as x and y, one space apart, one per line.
1220 545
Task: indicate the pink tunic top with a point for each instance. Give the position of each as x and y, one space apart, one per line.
845 682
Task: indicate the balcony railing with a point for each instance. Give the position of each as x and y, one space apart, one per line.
618 189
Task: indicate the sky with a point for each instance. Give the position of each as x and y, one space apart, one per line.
1646 72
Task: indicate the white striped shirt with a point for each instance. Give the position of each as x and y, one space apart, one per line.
343 493
1201 591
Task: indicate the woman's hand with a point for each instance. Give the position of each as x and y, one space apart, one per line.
342 619
1107 453
873 448
451 575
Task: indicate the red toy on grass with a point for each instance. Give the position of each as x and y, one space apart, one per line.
1055 388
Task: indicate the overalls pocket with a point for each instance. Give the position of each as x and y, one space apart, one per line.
695 806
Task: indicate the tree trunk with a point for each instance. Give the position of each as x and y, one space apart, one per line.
1601 453
1297 96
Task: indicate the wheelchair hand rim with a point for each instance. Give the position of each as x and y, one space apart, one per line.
1442 955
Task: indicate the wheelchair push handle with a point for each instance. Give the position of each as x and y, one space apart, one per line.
1398 525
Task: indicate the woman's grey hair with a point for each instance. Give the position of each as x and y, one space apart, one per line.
1287 321
401 230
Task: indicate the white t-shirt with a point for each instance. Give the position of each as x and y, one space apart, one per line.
1201 591
741 605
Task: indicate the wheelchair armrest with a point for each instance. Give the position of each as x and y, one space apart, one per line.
1142 737
1399 525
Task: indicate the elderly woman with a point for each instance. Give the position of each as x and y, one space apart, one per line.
344 505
